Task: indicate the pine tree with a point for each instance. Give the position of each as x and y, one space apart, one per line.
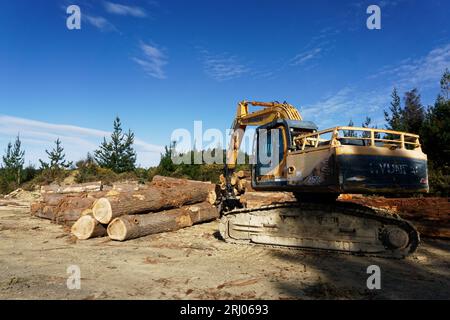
166 166
366 124
14 159
117 154
350 133
413 114
445 84
57 158
394 116
435 133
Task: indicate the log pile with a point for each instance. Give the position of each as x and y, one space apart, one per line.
239 181
431 216
135 226
163 193
258 199
128 210
65 204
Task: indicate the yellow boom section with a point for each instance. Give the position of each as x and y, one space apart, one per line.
270 111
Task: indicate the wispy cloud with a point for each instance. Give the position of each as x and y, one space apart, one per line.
77 141
355 101
303 57
123 10
222 67
317 46
152 60
99 22
423 71
348 103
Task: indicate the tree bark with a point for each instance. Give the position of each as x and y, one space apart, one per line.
159 196
87 227
43 211
70 209
64 209
135 226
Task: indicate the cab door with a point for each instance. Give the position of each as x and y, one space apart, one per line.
271 149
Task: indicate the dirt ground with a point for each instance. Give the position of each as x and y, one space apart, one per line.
194 264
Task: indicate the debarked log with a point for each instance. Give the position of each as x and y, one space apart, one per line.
76 188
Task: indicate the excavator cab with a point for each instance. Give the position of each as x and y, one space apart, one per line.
323 164
272 143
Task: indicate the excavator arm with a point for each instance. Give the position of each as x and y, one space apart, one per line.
270 111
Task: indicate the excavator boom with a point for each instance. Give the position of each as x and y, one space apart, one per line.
271 111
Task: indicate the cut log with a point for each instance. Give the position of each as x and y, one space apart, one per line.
135 226
54 199
159 196
45 212
65 208
258 199
86 212
87 227
36 207
76 188
158 178
127 186
241 185
164 181
240 174
71 209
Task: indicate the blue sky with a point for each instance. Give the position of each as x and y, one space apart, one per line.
161 65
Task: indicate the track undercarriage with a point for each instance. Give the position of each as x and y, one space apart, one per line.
338 226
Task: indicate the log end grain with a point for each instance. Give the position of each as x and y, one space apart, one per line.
102 210
87 227
117 230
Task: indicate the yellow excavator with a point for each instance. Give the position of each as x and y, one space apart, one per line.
291 154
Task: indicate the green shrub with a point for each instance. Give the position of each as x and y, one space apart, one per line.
49 176
439 181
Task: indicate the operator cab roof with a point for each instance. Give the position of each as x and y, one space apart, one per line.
292 124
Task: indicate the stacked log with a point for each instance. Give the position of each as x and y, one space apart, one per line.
168 204
237 180
87 227
128 210
76 188
259 199
64 208
135 226
162 194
